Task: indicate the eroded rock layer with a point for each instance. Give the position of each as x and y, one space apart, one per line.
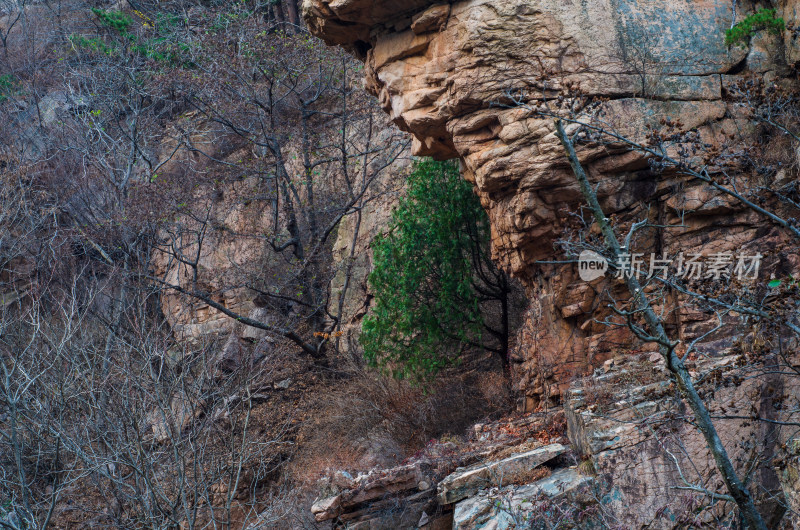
454 75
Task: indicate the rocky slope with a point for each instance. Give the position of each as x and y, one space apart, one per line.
619 455
447 483
469 79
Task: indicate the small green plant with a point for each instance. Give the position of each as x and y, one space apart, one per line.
763 19
8 85
161 48
166 22
116 20
95 44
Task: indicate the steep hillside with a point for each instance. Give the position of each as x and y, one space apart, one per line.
684 119
188 194
193 197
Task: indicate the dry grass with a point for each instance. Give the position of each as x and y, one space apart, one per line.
368 420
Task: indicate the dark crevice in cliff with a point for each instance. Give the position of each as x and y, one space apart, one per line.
737 68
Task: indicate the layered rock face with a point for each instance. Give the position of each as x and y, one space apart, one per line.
471 79
451 74
628 420
474 483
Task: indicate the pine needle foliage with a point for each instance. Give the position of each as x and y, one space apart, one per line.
763 19
427 309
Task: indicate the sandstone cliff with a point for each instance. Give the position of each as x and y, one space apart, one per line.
466 78
446 72
232 249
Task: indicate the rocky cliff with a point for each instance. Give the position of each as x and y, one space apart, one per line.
448 73
232 244
470 79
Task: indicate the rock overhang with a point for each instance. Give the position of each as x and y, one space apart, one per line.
352 24
444 81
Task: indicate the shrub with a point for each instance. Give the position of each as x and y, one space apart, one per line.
165 47
116 20
368 420
764 19
8 85
432 276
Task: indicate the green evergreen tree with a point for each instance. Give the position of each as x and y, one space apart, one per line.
433 280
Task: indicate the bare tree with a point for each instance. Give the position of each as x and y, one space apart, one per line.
105 416
749 170
317 152
654 331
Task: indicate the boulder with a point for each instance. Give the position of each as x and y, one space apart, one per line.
507 508
371 487
467 481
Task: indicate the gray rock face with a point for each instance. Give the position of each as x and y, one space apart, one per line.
468 481
644 453
512 507
370 487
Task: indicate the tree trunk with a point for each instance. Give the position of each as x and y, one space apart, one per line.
504 328
666 347
294 13
278 10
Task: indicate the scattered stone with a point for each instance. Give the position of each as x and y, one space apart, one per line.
465 482
608 365
284 384
343 480
231 357
496 509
